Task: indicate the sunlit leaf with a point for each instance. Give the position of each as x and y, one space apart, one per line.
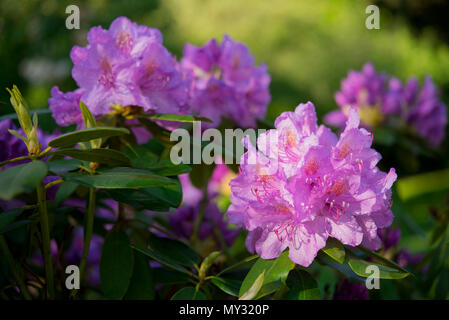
335 250
275 270
254 289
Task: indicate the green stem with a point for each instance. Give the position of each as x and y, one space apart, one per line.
88 230
9 259
45 230
15 160
200 216
29 157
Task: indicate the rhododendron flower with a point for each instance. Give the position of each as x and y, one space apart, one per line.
365 91
125 65
307 185
379 99
65 107
226 82
425 111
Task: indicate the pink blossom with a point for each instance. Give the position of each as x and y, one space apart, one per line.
308 185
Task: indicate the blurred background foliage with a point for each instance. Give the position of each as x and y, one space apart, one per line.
309 46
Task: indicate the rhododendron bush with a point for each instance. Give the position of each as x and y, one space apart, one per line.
100 209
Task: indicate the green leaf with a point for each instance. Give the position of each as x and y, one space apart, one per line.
105 156
276 271
23 178
175 251
83 135
252 292
7 217
302 286
121 178
178 117
162 259
163 167
188 293
239 264
155 199
425 183
360 268
141 286
381 259
344 268
64 165
335 250
65 190
167 276
229 286
142 158
116 265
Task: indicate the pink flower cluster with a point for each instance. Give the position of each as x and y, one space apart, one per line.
379 98
226 82
307 184
125 65
128 65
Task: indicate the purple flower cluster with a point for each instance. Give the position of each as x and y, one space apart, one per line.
226 82
379 98
425 111
125 65
304 184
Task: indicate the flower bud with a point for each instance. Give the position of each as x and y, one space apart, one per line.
21 109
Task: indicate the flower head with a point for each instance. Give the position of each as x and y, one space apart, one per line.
226 82
365 91
65 107
425 112
125 65
380 99
304 185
